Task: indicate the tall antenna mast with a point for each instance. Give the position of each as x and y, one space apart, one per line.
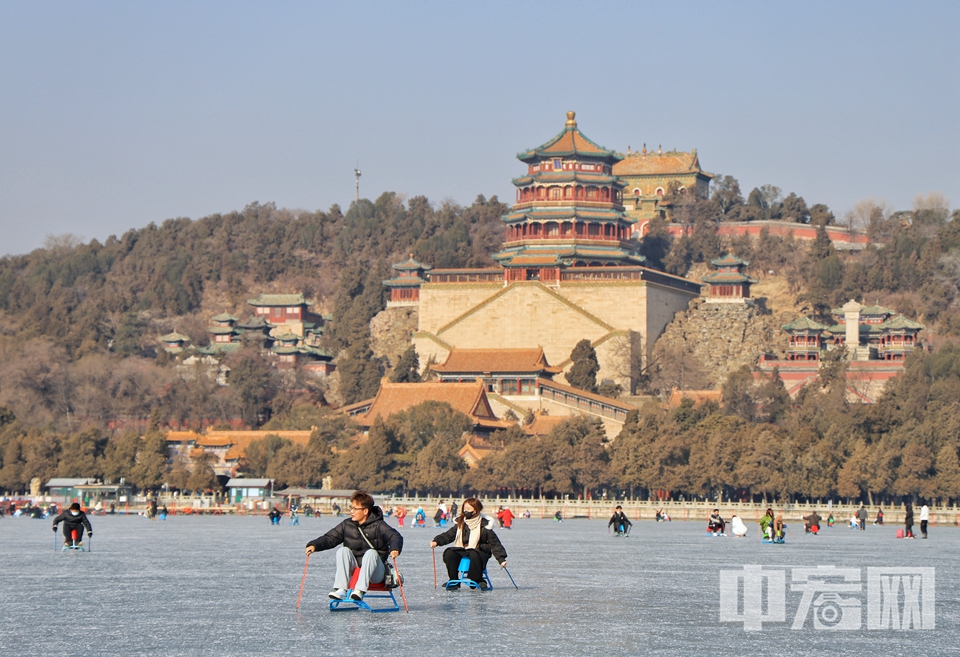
356 172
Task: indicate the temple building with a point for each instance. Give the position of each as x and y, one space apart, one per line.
287 313
174 343
503 371
224 334
568 211
728 284
291 350
570 269
405 286
468 398
648 178
876 340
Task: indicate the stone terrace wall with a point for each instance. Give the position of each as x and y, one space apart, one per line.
722 337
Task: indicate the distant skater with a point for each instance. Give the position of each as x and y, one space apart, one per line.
879 520
74 521
908 520
274 516
505 517
924 519
716 524
400 514
812 523
558 516
621 525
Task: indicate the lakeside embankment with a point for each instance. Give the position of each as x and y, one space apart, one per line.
678 510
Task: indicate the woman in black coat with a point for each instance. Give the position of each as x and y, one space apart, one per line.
471 539
908 520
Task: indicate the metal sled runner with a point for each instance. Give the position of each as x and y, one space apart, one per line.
374 592
462 569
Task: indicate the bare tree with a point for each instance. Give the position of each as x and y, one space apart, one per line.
865 212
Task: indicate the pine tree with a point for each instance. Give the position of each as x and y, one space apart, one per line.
583 373
408 369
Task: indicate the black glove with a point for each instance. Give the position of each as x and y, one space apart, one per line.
54 528
89 533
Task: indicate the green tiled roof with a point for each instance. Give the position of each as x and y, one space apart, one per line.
901 322
566 213
253 324
727 277
224 317
548 255
804 324
316 352
548 177
868 310
411 264
174 337
570 142
222 330
405 281
729 260
280 300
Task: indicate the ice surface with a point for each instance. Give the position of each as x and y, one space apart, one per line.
228 586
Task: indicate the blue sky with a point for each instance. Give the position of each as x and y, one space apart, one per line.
117 114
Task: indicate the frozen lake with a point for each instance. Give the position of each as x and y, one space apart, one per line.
228 586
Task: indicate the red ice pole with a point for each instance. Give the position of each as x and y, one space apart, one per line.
304 579
400 583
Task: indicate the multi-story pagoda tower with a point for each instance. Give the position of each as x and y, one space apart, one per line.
568 212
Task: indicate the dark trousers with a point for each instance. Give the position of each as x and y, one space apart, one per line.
68 533
923 528
478 561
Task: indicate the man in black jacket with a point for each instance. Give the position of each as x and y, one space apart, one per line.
620 522
364 539
74 520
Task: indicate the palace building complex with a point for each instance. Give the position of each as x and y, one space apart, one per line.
570 268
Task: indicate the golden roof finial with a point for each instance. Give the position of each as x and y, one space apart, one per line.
571 123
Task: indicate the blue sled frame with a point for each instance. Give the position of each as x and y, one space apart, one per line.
462 569
354 605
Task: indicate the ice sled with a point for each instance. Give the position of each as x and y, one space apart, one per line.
462 580
379 591
74 543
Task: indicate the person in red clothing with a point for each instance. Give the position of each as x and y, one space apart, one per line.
505 516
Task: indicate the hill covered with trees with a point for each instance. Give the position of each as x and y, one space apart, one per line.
84 390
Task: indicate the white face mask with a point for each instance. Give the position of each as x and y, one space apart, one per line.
75 513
